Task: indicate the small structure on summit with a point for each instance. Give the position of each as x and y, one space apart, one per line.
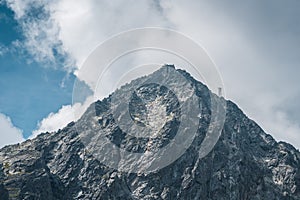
219 91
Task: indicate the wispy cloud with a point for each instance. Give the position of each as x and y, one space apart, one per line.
40 32
3 50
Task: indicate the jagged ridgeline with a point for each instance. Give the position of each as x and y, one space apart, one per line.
75 163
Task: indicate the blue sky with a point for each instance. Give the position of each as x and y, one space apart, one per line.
255 45
30 90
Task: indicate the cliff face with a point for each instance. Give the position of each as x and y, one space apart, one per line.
245 163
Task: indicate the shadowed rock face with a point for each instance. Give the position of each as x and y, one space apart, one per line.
245 163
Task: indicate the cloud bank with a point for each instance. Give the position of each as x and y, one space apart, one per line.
61 118
9 133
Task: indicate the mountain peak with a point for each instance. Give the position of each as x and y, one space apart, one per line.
158 137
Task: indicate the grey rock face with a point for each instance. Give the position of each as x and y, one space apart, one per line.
245 163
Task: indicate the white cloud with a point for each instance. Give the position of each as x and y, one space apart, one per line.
86 24
2 50
60 119
9 133
78 27
282 127
40 31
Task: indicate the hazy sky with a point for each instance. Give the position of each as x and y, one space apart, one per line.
255 44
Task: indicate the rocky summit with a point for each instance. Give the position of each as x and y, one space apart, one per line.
146 141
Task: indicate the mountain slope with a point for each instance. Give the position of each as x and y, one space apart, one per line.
245 163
